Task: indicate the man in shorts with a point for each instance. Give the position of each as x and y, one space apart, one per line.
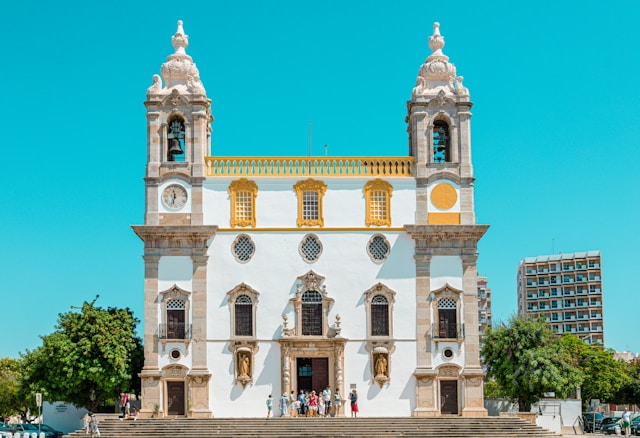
326 394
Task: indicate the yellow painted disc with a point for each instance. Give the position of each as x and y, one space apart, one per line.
444 196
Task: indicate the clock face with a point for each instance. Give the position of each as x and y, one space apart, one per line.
174 197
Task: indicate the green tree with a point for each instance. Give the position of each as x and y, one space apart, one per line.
604 376
10 400
526 359
90 357
630 391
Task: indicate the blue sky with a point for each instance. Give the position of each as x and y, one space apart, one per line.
554 129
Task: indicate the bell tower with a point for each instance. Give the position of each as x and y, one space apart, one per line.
448 372
176 374
178 138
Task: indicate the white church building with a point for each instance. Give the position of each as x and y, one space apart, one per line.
269 274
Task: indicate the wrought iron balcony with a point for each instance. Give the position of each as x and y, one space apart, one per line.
174 330
447 331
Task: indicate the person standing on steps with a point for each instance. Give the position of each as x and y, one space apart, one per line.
327 401
284 402
353 398
337 401
269 405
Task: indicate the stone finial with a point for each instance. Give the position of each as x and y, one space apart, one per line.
436 42
180 41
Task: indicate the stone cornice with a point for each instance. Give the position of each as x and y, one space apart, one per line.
461 236
172 237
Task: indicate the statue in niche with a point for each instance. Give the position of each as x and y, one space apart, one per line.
243 365
381 365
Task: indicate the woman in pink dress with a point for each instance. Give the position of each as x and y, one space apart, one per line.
313 404
353 397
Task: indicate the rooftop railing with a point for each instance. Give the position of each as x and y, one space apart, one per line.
310 166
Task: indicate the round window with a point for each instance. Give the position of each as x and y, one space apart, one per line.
448 353
175 354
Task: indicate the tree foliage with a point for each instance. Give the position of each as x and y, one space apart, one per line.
11 402
630 391
526 359
604 376
90 357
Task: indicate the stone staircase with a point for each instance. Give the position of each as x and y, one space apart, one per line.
441 427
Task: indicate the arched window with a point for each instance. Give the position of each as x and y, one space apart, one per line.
244 316
447 318
441 142
175 138
379 316
311 313
243 300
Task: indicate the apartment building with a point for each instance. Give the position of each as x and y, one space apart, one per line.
566 289
484 307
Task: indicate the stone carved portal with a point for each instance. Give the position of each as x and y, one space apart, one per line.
301 357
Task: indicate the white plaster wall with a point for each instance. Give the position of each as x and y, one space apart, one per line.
174 270
396 398
277 203
446 269
272 272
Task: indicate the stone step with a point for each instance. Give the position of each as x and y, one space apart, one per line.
453 427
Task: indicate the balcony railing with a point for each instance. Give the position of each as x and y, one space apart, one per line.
309 166
174 331
447 331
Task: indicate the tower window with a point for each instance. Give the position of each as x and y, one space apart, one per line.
441 142
175 137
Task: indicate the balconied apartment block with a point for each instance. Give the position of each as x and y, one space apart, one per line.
566 289
484 307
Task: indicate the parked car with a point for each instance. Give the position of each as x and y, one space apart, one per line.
588 420
48 429
612 426
635 426
31 428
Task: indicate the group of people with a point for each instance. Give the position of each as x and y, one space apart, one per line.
312 404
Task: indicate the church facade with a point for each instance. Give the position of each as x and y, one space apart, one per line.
267 275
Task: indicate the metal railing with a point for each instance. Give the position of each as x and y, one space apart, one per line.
447 331
176 330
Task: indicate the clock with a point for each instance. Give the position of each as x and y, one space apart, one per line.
174 197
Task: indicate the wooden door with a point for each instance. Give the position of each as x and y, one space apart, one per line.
447 323
175 324
449 397
320 376
175 398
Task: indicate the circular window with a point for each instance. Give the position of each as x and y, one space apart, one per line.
447 353
310 248
378 248
175 354
243 248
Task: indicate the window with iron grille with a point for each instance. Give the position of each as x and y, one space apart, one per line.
379 316
311 314
310 206
176 328
310 248
243 248
244 316
378 248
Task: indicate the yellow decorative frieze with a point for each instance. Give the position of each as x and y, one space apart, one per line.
310 166
444 218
